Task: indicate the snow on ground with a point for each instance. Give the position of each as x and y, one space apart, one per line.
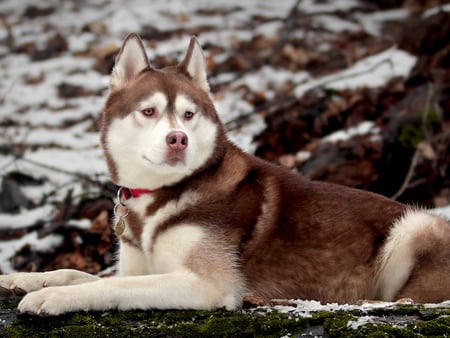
55 137
443 212
306 308
373 71
363 128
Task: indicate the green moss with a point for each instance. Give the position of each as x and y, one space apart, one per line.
8 304
411 134
438 327
337 324
432 116
399 321
414 132
157 323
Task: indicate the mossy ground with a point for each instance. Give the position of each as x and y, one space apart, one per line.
399 321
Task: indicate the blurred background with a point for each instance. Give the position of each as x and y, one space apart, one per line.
349 91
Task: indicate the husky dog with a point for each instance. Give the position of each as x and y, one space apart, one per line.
202 224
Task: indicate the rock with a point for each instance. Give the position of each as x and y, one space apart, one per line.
390 320
11 196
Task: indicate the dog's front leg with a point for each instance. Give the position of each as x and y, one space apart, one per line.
177 290
24 282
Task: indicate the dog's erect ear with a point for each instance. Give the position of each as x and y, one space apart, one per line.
131 60
194 64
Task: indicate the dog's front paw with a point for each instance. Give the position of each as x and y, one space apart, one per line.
19 284
45 302
55 300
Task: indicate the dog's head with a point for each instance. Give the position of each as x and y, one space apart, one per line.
159 125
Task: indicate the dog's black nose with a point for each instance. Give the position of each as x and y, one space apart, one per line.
177 140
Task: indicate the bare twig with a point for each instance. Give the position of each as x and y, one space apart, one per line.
406 182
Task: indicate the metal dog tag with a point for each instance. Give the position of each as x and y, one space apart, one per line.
119 229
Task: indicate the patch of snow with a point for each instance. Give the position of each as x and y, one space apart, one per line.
373 71
373 23
84 223
25 218
436 305
268 79
36 193
9 248
65 173
314 7
303 155
268 8
442 211
436 10
75 137
244 135
363 128
225 38
269 29
306 308
222 78
124 20
336 24
70 161
230 106
361 321
89 80
80 42
18 69
175 46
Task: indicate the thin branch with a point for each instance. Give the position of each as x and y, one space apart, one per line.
406 182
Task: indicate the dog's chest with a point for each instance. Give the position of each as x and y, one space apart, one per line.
161 235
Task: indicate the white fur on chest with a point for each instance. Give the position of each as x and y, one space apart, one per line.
161 252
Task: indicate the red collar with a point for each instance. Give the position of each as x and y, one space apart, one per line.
128 193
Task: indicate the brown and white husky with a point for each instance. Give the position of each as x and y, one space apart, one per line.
202 224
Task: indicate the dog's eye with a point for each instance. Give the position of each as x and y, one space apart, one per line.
188 114
148 112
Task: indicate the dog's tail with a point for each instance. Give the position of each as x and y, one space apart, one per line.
416 234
